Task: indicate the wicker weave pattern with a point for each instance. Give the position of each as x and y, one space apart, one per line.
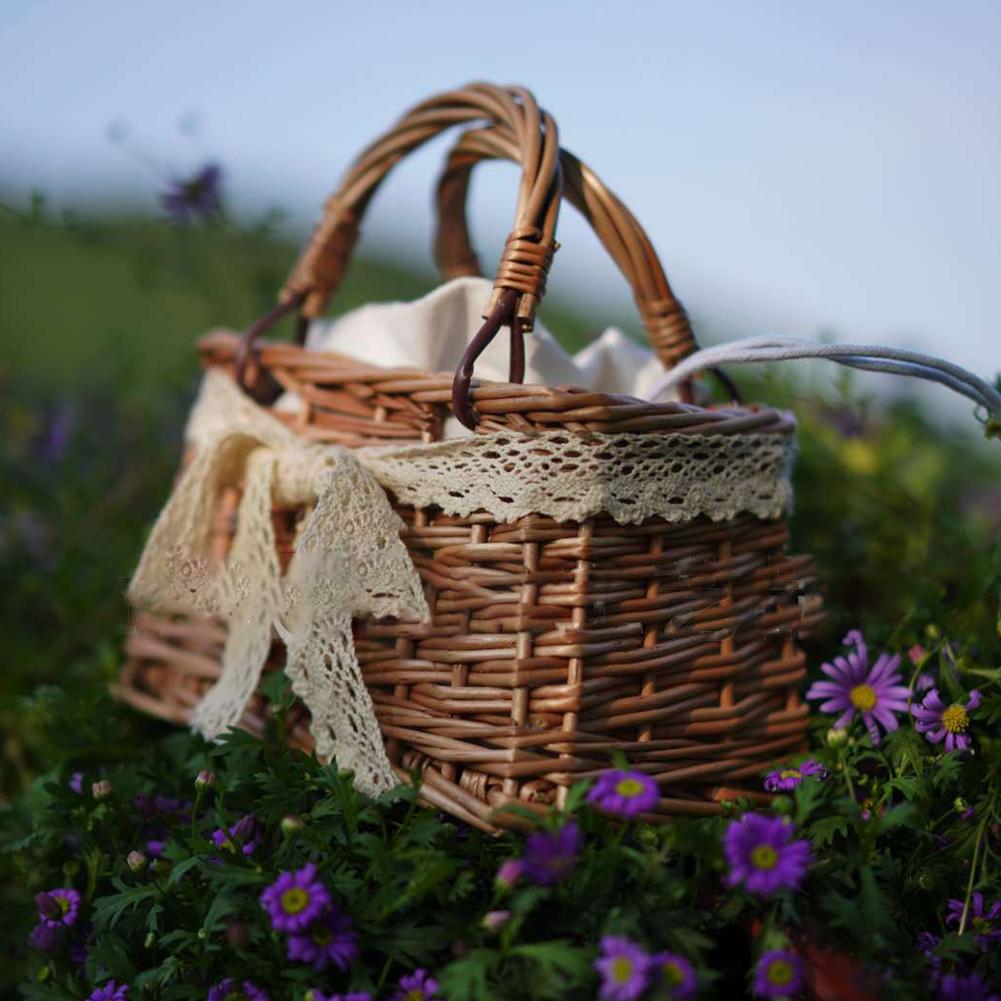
550 645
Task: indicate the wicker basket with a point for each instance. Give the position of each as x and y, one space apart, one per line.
550 644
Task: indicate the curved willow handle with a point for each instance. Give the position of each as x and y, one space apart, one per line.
664 318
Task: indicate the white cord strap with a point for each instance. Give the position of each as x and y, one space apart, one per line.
871 357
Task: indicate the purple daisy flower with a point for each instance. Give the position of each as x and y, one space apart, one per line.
624 967
47 939
985 925
762 855
296 899
551 855
244 835
676 974
198 197
939 722
627 794
230 990
965 987
876 692
786 779
59 907
417 986
111 991
329 940
779 974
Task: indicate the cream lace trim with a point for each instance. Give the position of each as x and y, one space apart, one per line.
349 561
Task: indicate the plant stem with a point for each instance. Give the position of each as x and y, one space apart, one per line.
973 875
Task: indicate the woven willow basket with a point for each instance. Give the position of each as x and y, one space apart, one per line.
550 644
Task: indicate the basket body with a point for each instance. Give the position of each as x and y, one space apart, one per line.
550 644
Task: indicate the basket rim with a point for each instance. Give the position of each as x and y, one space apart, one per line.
564 404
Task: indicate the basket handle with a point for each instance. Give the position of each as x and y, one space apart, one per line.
664 318
527 252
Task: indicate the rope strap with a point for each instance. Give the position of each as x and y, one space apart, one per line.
870 357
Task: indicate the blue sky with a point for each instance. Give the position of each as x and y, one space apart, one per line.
798 166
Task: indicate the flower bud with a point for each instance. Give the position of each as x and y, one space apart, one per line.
783 805
932 632
291 823
150 940
926 879
509 873
836 737
493 921
205 780
101 789
245 828
960 805
238 935
917 654
136 861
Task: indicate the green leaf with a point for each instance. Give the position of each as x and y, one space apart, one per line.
109 910
823 832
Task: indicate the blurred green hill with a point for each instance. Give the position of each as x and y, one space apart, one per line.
126 298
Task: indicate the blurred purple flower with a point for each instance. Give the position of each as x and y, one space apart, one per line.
676 974
551 855
785 779
230 990
330 940
296 899
965 987
59 907
195 198
624 967
244 834
762 855
779 974
627 794
315 995
509 873
46 938
59 433
111 991
984 923
76 783
417 986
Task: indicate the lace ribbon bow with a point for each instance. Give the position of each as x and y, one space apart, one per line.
349 562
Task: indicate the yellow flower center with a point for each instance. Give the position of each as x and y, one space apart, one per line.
764 857
863 697
322 936
629 787
622 970
980 926
790 773
672 974
955 719
63 902
295 900
417 994
780 972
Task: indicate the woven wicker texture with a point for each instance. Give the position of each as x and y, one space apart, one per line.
550 645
